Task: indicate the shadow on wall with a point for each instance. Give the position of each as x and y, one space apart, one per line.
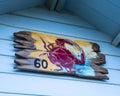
103 14
7 6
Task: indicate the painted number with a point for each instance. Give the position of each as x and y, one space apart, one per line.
40 63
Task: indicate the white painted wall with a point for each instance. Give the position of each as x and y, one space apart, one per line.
18 83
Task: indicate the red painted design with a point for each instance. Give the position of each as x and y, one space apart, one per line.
62 57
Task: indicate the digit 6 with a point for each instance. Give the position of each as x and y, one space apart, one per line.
37 63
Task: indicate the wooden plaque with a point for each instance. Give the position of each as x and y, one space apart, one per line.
52 54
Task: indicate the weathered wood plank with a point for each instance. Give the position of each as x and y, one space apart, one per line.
25 38
112 62
31 42
105 47
8 64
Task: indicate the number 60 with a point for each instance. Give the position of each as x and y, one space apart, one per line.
40 63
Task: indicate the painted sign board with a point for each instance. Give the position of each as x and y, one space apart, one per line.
52 54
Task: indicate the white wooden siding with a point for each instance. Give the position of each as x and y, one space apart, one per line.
17 83
61 29
104 14
59 17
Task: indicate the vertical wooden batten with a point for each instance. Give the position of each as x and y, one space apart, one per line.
60 5
50 4
55 5
116 40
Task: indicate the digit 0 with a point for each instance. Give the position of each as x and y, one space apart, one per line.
44 64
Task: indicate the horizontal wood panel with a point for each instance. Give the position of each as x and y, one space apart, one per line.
41 25
5 94
17 94
8 64
7 48
8 30
40 85
112 62
106 48
63 18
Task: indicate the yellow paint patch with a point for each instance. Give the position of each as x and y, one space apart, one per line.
50 67
39 45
